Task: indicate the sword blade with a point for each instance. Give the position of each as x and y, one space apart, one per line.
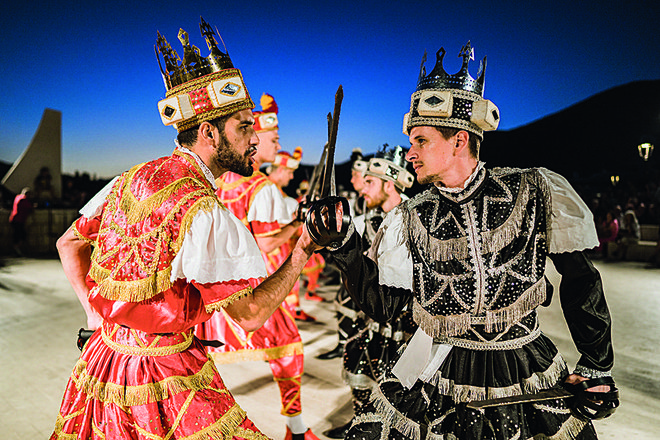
332 140
552 394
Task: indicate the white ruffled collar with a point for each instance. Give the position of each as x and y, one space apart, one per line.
207 172
469 180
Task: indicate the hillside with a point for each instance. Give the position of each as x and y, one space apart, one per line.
595 137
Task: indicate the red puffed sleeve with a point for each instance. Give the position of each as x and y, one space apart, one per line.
221 294
263 229
87 229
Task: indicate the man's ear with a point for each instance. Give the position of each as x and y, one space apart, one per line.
205 132
462 140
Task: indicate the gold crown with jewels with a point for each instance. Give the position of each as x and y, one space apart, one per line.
199 88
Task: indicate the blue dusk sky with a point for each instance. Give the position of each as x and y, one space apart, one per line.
95 62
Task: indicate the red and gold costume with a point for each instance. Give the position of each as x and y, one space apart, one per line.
256 201
164 260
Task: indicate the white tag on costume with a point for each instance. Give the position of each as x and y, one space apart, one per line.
420 360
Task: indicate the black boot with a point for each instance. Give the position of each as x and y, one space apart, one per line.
336 352
338 432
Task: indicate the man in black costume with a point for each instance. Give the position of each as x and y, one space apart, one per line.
470 251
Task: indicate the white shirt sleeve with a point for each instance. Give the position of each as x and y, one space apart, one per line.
572 226
392 255
95 205
218 247
358 223
269 206
291 206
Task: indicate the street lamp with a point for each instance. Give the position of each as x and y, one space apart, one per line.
645 150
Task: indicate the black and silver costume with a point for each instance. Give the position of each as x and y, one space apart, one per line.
472 262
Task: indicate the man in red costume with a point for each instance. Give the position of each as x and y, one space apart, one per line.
156 253
258 203
280 172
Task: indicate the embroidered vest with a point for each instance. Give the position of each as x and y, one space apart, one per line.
479 255
145 219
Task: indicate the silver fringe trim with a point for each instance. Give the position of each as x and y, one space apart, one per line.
436 249
535 383
503 235
511 344
492 241
569 430
392 418
438 326
591 373
498 320
373 418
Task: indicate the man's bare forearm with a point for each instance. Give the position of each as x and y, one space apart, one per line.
272 242
75 255
252 311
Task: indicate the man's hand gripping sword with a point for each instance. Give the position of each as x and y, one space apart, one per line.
321 218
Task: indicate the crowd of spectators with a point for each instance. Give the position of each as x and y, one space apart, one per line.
619 214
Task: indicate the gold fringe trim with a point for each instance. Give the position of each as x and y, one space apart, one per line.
155 281
59 425
150 350
247 434
258 354
268 234
226 186
123 395
79 236
216 306
533 384
307 270
260 180
496 320
131 290
223 428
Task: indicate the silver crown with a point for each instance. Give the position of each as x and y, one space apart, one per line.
453 101
462 80
390 164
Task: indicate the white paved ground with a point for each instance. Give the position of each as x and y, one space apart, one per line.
40 316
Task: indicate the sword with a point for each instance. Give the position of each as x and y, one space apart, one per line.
551 394
328 186
322 182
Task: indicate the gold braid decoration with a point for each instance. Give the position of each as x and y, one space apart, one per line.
257 185
224 428
79 236
59 425
260 354
225 186
154 281
123 395
216 306
150 350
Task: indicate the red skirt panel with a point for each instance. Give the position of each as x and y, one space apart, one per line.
129 384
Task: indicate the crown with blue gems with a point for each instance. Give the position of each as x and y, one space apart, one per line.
454 101
198 88
390 164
